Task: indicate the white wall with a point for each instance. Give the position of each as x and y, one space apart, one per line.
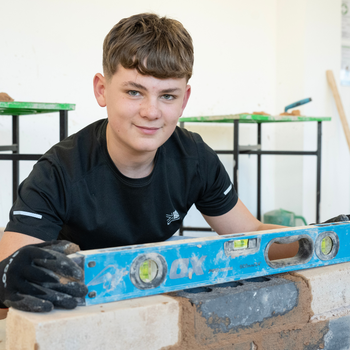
252 55
308 44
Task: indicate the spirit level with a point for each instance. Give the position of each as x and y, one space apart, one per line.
140 270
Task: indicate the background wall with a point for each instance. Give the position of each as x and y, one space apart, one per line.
252 55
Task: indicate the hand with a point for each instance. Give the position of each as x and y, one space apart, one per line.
341 217
40 277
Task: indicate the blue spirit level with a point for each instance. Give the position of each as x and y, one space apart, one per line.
134 271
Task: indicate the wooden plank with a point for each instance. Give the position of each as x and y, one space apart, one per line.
338 102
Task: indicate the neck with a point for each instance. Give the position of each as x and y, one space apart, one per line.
131 164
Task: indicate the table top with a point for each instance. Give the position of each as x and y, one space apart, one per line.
27 108
253 118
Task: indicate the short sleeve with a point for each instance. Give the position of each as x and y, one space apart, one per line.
218 196
42 202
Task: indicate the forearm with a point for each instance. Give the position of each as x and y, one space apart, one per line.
264 227
3 313
279 251
12 241
276 251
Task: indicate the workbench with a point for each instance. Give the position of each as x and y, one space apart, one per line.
16 109
257 119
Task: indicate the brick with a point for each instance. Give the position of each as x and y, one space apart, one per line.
240 304
330 290
239 314
148 323
338 336
2 334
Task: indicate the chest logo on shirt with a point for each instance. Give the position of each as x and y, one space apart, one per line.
172 217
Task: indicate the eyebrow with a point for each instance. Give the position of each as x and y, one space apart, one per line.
135 85
141 87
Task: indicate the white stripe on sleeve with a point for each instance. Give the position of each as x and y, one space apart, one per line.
27 213
228 190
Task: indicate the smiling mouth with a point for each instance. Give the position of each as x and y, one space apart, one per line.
147 130
146 127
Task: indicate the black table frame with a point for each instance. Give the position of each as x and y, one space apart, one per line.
16 157
237 151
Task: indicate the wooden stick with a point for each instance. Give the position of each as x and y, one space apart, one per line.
333 86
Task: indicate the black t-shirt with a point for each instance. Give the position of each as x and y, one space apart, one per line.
75 192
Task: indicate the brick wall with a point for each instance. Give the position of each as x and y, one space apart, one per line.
305 310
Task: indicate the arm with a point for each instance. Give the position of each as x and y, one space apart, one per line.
239 219
11 241
38 275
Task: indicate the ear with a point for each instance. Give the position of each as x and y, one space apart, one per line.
186 97
99 89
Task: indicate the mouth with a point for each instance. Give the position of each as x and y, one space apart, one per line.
147 130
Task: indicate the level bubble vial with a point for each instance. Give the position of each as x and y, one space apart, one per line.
326 245
240 244
148 271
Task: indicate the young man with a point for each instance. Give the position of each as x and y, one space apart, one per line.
128 179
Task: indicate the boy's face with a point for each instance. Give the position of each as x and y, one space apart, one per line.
142 110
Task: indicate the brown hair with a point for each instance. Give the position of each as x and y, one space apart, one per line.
155 46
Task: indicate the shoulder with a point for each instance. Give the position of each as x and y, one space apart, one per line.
88 136
184 143
186 137
79 152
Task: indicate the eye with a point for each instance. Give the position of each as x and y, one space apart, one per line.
168 97
133 93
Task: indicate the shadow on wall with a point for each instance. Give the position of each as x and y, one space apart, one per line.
1 231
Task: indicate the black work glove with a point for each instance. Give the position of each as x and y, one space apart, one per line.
339 218
40 276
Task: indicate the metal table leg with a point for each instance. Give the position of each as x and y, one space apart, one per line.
258 212
15 142
63 125
318 185
235 153
15 163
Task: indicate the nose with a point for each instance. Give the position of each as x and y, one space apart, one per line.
150 109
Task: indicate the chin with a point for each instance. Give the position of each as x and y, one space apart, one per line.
148 146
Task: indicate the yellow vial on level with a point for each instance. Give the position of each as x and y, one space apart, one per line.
240 244
326 245
148 271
